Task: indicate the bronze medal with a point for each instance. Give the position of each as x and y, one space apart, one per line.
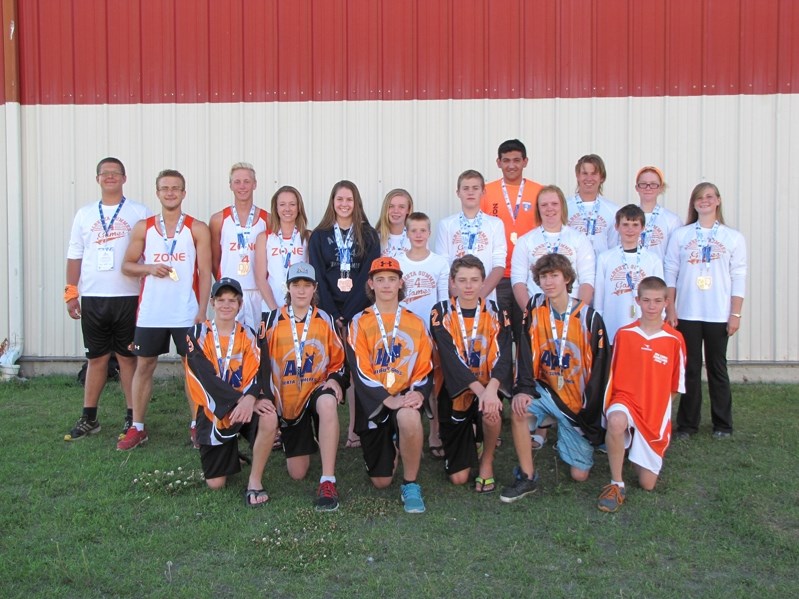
704 282
345 285
561 382
513 237
390 379
244 268
173 274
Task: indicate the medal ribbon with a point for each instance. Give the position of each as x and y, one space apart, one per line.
646 236
242 233
515 211
550 248
632 273
395 250
344 249
223 365
588 220
178 229
705 248
468 346
290 251
107 229
390 352
470 228
560 345
299 344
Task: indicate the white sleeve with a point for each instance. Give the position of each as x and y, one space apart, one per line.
442 247
599 283
443 283
738 267
75 248
499 254
671 263
520 262
585 260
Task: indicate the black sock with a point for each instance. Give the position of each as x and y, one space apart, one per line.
90 413
407 482
129 413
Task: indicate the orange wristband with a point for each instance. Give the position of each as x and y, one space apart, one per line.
70 293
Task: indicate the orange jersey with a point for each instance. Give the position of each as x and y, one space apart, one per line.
644 372
378 375
494 203
217 396
585 362
488 357
291 384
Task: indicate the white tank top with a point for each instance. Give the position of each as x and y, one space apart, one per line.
164 302
233 254
276 265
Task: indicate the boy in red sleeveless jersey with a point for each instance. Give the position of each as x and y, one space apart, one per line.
646 374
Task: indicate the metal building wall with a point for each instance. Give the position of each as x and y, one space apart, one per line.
410 94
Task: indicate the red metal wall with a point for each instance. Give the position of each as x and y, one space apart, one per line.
187 51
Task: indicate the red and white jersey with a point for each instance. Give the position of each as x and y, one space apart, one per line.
233 253
164 302
489 242
568 242
426 283
604 233
644 372
101 276
613 298
658 229
277 268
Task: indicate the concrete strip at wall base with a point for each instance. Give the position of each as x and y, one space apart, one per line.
170 366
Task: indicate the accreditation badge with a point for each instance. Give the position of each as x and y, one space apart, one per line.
105 258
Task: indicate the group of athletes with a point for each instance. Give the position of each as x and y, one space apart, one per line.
580 314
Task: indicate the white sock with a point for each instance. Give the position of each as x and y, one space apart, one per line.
618 483
327 479
139 426
193 423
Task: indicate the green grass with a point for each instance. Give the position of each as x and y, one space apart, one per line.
723 521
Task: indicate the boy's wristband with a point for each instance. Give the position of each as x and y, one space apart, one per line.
70 293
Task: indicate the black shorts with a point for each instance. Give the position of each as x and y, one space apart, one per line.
150 342
223 460
300 436
460 432
108 324
380 444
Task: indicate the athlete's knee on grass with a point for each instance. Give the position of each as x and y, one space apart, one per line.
381 482
646 478
298 466
216 483
460 478
578 475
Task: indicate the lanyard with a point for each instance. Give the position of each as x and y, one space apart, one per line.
646 236
344 248
299 344
390 352
514 212
242 233
550 248
560 345
223 365
631 273
107 229
705 247
468 347
290 250
178 229
470 228
589 221
396 250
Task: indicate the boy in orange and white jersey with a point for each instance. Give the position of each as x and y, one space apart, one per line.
302 369
390 354
646 374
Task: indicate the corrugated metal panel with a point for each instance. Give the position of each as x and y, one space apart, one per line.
116 51
747 145
4 249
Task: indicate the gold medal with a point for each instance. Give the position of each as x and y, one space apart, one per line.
244 268
561 382
173 274
632 311
345 285
390 379
513 237
704 282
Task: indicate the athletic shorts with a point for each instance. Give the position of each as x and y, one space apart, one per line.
641 453
150 342
223 460
457 431
108 324
300 435
573 448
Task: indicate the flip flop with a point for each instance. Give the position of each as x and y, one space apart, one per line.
485 485
255 494
437 452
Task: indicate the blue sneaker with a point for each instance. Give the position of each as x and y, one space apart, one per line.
412 498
